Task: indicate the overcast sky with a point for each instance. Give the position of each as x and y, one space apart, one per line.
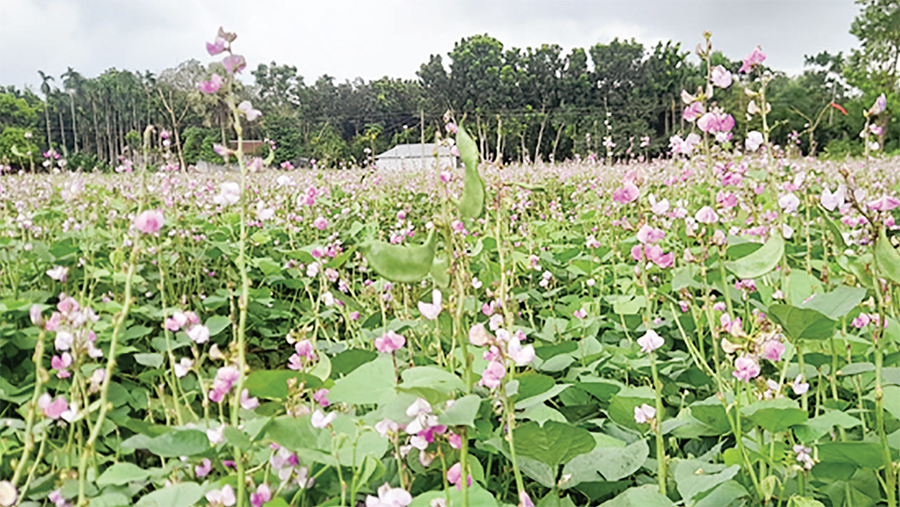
374 38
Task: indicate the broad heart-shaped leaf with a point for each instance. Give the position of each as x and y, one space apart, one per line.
554 443
471 203
621 407
712 413
837 303
611 459
643 496
179 443
431 376
802 323
183 494
368 384
462 412
274 383
121 473
477 496
861 454
296 433
759 262
694 477
802 501
725 494
775 415
820 426
887 259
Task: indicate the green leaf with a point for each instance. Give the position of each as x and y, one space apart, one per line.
802 323
273 383
236 438
471 203
775 415
601 389
217 324
837 303
643 496
887 259
184 494
621 407
150 359
439 270
611 459
297 433
694 477
478 496
861 454
725 495
802 501
368 384
554 443
120 473
179 443
759 262
431 376
711 412
349 360
462 412
820 426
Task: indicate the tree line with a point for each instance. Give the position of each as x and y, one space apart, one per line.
618 99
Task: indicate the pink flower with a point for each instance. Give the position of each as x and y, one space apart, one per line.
686 146
431 310
150 221
693 111
389 342
221 497
198 333
492 375
716 122
320 223
756 57
53 409
637 252
580 313
320 420
525 500
454 476
211 86
721 77
216 47
886 203
879 106
263 494
707 215
647 234
203 469
234 63
519 354
57 498
248 403
321 397
644 414
746 368
389 497
61 363
650 341
455 440
773 349
626 193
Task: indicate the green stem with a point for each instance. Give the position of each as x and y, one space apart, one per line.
39 372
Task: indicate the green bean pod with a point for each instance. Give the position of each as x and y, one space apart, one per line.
886 257
440 271
398 263
471 204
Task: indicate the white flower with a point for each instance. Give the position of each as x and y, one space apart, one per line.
320 420
644 413
431 310
229 193
650 341
59 273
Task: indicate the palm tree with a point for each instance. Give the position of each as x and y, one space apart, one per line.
45 89
73 81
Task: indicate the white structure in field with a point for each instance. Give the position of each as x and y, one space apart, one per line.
416 156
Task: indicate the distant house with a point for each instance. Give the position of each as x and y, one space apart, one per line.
416 156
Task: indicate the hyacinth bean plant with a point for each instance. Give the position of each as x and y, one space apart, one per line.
719 328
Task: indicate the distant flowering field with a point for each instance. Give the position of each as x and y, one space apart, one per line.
715 329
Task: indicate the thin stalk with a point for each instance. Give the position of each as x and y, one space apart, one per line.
39 372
